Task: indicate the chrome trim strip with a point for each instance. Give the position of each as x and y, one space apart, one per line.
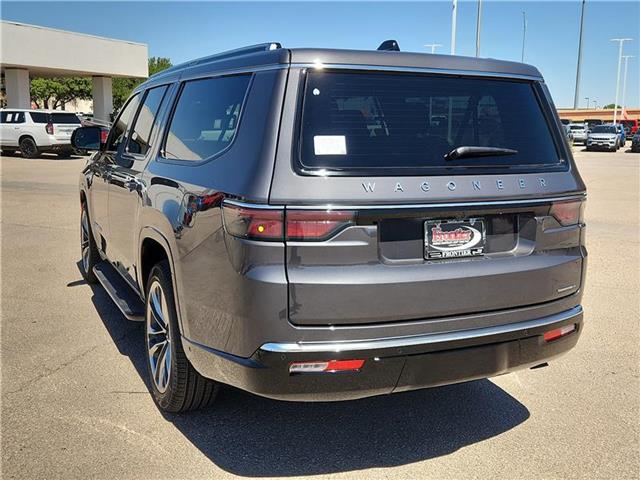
387 68
261 206
386 206
397 342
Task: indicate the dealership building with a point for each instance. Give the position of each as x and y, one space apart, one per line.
28 51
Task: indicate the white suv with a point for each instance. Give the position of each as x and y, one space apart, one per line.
36 131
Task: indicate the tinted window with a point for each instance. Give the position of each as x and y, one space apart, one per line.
119 128
12 117
603 129
64 118
141 130
357 122
206 117
39 117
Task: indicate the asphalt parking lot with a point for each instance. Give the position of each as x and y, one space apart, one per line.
75 404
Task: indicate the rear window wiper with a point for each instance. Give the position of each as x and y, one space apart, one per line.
468 152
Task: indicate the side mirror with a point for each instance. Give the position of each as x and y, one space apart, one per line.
89 138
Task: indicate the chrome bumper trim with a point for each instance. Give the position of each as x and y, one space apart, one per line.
395 342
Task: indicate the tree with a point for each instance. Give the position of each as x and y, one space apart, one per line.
57 91
610 105
122 87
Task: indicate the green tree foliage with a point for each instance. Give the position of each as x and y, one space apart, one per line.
122 87
57 91
610 105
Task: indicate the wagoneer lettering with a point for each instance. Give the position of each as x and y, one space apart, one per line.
379 224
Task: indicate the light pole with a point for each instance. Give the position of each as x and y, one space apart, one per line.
478 25
587 99
615 104
595 104
577 92
454 16
433 46
524 33
624 81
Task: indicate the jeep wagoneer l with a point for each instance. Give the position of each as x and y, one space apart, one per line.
313 224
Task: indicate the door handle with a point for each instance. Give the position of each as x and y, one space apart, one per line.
133 184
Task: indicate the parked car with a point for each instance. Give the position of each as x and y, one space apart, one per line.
568 134
36 131
289 222
603 137
635 143
580 132
565 121
622 135
630 127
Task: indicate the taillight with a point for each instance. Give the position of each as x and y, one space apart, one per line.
253 223
49 128
314 225
103 136
552 335
327 366
568 213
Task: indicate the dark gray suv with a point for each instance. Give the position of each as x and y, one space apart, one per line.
313 224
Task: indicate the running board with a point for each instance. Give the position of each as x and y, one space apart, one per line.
120 292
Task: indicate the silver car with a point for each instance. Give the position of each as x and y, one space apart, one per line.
580 132
603 137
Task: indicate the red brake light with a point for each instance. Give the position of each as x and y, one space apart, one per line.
103 136
567 213
559 332
253 223
49 128
316 224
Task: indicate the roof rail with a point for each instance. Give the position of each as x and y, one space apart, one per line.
261 47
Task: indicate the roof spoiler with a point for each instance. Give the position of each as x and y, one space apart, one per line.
389 45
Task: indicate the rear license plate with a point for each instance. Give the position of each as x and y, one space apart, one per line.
454 238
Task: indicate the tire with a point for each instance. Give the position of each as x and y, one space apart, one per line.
28 148
174 383
88 248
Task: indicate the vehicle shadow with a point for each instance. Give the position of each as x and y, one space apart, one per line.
256 437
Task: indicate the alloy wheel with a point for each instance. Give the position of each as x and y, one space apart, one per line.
85 247
158 337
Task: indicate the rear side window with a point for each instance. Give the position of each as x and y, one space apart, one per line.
141 130
39 117
58 118
378 123
206 117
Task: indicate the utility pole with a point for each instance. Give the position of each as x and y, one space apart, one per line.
524 33
615 104
595 104
454 17
624 81
478 25
577 92
433 46
587 99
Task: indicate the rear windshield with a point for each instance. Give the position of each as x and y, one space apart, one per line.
56 118
576 127
369 123
603 129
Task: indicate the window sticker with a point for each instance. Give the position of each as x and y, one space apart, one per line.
330 145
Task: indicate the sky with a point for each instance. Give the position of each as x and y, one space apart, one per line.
183 31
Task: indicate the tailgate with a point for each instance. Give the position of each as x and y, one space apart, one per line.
378 270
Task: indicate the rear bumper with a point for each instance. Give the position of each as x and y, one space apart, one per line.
391 364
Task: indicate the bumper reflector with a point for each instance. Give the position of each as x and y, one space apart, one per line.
328 366
559 332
